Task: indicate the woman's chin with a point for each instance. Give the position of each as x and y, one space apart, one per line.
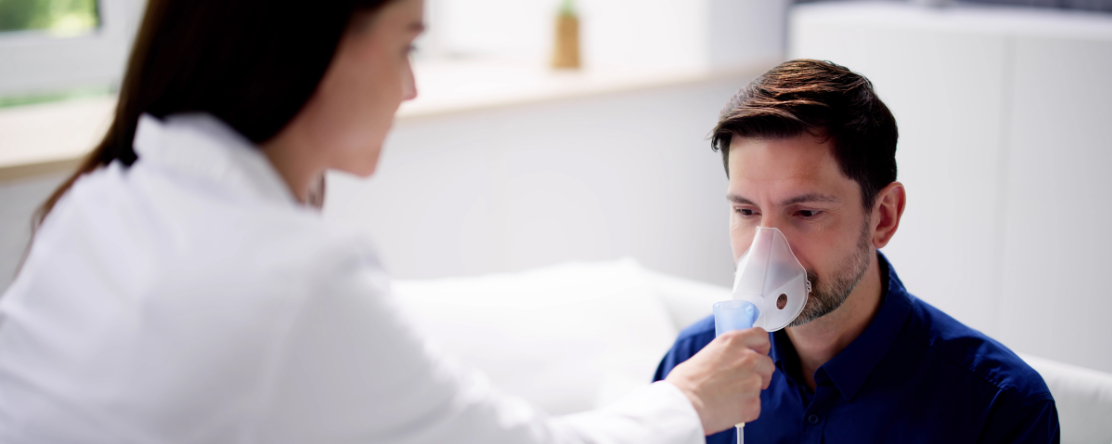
362 170
362 162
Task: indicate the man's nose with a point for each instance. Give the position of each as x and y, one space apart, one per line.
780 224
772 221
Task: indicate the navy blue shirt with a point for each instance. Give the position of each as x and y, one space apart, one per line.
914 375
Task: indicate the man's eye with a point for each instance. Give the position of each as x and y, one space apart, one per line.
807 213
744 211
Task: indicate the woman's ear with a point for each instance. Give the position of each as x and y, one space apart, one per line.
361 21
887 211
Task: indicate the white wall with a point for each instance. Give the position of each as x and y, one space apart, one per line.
1057 249
613 175
646 33
627 174
1004 152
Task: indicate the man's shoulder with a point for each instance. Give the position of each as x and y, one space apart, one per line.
688 343
976 353
701 332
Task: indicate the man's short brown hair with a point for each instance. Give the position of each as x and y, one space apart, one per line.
825 100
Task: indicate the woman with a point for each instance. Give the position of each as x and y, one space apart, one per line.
181 289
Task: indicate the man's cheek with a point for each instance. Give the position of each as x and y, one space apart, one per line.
737 244
737 250
808 257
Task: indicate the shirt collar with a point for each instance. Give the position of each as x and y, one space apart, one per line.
850 368
201 145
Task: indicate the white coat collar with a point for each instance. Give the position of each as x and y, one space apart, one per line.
201 145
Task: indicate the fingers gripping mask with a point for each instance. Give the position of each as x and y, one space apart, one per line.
770 277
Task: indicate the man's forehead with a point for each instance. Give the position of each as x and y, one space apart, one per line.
787 170
778 158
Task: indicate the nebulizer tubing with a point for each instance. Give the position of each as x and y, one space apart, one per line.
732 315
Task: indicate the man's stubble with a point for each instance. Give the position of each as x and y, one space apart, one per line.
824 299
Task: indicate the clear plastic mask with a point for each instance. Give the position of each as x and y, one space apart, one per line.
770 277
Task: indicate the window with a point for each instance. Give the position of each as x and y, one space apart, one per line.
57 17
53 47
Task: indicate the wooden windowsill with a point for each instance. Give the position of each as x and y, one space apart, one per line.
53 137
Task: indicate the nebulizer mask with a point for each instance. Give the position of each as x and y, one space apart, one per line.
770 278
770 289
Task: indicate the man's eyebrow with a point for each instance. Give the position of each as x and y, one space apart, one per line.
739 200
810 197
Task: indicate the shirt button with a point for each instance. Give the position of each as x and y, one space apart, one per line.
813 419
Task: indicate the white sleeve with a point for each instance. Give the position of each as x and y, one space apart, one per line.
351 369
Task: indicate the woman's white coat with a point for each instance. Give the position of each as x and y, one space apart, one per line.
189 298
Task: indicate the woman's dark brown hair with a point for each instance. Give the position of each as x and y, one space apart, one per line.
823 99
251 63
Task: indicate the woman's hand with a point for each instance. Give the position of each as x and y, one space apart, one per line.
724 380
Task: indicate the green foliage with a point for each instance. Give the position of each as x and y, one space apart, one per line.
567 7
59 17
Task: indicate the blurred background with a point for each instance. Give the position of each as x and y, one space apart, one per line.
505 163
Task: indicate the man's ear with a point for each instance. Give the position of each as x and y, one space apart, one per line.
887 212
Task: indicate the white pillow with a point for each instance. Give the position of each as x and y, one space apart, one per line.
687 301
567 338
1083 397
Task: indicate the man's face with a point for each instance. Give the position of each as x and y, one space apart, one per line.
795 184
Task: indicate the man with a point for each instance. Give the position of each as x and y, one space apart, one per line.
810 149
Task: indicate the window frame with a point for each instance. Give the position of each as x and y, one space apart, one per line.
36 62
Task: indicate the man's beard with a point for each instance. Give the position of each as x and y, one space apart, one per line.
827 298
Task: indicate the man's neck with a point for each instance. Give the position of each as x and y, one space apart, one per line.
820 340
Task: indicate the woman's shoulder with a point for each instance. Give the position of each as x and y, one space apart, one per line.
155 232
177 285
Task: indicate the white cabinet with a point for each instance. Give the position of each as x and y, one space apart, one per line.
1004 149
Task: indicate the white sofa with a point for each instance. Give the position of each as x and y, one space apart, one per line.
576 336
